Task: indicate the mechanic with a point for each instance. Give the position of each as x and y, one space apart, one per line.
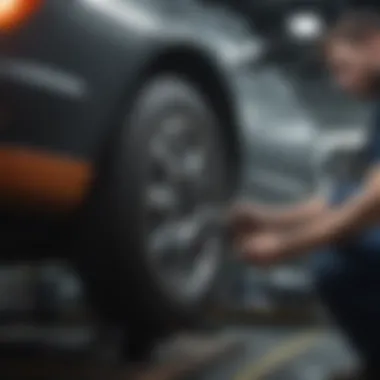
348 271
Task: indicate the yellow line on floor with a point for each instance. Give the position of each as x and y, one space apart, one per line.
282 354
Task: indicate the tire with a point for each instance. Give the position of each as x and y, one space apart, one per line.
114 261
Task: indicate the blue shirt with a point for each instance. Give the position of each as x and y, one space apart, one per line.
370 239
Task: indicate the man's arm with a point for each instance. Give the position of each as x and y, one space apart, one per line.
296 215
279 218
339 223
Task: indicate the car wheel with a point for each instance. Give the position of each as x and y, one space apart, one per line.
152 249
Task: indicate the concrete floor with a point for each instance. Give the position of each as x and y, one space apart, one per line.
283 354
267 353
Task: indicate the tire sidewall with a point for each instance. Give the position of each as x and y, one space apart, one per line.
129 289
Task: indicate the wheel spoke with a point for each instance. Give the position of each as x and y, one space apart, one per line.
163 242
194 165
165 159
182 240
204 220
162 198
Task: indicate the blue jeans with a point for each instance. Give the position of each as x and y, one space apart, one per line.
348 281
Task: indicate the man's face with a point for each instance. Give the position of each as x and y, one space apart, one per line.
356 67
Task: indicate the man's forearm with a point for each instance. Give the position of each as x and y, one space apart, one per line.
290 217
335 224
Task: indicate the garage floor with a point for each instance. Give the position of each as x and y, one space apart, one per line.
273 353
283 354
260 353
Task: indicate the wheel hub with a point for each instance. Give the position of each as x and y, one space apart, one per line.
184 244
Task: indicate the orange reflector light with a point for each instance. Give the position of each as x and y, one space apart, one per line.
14 12
29 176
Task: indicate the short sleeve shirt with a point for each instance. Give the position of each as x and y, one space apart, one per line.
372 156
370 239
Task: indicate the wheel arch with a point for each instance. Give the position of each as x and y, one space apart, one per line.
199 69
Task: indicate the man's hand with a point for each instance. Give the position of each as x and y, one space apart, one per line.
251 242
332 226
262 249
248 217
243 220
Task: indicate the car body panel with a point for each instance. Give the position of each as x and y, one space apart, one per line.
66 77
82 78
309 134
83 62
280 143
33 178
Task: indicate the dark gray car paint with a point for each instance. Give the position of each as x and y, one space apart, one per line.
69 75
78 60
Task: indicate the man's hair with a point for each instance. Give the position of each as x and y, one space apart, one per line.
354 26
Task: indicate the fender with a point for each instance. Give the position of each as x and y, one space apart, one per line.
71 74
131 56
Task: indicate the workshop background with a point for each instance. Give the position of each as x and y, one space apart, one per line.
302 107
294 93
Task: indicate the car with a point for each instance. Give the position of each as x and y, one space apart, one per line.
120 147
126 127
